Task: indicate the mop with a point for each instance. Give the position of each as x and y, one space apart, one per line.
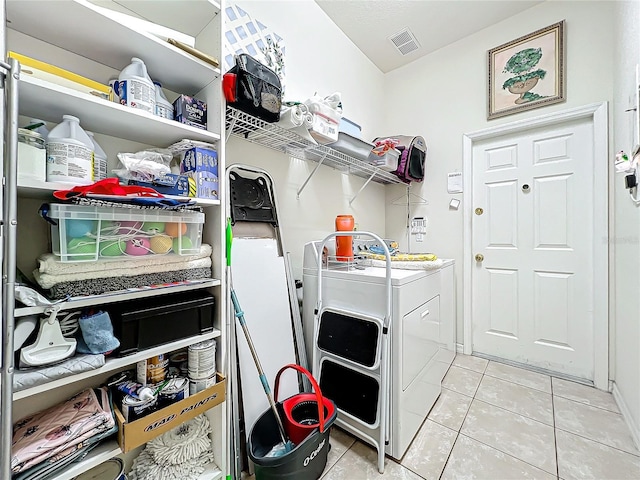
286 445
183 453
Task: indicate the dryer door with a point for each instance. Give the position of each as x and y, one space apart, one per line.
420 338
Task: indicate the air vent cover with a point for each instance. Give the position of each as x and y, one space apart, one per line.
404 41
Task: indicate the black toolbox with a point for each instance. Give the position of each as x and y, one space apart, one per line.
146 323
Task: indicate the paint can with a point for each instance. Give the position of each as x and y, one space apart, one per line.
175 390
198 385
202 360
175 359
152 370
134 408
112 469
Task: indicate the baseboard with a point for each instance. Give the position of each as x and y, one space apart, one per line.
626 414
459 348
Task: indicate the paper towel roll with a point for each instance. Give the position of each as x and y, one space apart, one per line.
291 117
308 120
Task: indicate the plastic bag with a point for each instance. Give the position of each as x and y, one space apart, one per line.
145 166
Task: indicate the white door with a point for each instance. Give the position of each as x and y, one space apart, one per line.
532 293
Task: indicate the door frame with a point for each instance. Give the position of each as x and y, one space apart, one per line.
597 113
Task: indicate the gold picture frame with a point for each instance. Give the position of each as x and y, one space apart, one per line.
528 72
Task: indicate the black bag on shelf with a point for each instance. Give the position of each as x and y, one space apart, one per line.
253 88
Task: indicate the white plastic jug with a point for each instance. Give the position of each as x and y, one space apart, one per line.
135 88
164 109
99 159
69 153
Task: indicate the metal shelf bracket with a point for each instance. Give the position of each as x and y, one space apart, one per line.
362 188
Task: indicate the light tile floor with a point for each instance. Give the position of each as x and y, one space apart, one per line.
498 422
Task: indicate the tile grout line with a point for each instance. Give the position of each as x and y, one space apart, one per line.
498 449
636 455
587 404
460 429
485 444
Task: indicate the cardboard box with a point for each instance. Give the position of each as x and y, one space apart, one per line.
171 184
50 73
136 433
201 164
190 111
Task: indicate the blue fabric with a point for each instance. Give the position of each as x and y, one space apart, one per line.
97 334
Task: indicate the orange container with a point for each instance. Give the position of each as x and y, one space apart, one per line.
344 245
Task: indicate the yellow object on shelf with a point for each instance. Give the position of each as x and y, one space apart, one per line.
403 257
50 73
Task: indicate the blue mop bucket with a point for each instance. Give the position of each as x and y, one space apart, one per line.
307 460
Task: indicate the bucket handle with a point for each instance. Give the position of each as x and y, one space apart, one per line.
314 384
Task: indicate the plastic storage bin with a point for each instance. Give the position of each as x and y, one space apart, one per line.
86 233
352 146
352 128
388 161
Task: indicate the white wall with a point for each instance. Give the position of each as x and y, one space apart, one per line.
626 238
443 95
319 58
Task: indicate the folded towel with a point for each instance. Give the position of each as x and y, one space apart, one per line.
50 263
48 281
100 286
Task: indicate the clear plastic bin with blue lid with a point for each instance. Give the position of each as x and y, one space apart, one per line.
86 233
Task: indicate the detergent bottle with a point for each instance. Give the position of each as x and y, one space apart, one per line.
69 153
135 88
99 160
164 109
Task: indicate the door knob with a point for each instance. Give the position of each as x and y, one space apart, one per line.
479 257
479 211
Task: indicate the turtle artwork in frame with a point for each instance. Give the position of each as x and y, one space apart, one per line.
528 72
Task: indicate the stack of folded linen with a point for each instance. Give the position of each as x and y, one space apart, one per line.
51 439
74 279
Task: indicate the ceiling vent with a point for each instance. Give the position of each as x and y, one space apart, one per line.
404 41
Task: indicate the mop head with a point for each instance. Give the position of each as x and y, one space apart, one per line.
182 453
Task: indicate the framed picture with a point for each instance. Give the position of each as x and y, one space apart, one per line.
528 72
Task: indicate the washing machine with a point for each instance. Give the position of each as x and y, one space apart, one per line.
346 336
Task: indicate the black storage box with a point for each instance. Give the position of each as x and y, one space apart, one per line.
142 324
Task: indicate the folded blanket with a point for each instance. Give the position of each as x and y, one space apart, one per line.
410 265
57 429
99 286
49 280
50 263
23 379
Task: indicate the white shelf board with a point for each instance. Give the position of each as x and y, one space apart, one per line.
48 101
173 14
114 364
33 188
83 28
98 455
211 472
93 300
